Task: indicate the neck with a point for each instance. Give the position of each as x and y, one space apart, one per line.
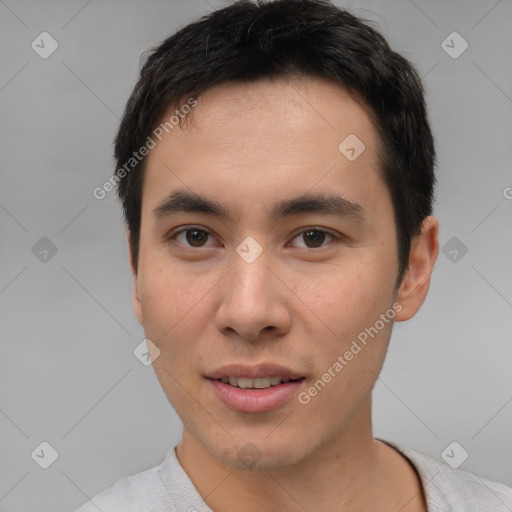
350 472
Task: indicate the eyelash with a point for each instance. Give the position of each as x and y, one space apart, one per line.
169 239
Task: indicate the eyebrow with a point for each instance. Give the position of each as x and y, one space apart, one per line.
330 204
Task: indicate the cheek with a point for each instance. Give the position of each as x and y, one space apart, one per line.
173 308
349 298
349 355
173 305
347 324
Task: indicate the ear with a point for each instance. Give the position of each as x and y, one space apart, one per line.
137 308
416 282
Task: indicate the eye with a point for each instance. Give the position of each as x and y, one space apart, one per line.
313 237
191 236
196 237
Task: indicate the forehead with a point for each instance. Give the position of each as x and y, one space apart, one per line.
249 141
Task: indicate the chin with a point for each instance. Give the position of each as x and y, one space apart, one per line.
257 454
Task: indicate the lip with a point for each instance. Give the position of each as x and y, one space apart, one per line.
254 371
255 400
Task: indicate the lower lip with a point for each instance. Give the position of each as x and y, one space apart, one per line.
256 400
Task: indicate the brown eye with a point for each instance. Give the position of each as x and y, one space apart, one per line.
191 237
313 238
196 237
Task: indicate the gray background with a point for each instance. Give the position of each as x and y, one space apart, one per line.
68 375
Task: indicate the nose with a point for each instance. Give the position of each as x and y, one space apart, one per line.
253 301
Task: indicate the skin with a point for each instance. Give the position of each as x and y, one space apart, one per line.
248 146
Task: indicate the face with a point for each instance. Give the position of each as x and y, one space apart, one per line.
268 250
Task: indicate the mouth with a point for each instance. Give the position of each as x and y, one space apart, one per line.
255 389
257 383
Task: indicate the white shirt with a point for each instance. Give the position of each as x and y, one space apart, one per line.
167 488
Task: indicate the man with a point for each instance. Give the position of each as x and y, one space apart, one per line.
275 165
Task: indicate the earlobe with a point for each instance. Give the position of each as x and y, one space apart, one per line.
136 305
422 257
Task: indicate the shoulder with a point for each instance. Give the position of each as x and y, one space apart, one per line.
140 491
456 490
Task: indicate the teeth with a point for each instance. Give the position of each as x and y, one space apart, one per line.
261 383
258 383
245 383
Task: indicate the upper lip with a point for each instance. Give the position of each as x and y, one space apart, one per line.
254 371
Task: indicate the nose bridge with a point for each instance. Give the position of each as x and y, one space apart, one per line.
251 298
251 282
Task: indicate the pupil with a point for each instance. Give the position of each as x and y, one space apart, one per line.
317 239
197 236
